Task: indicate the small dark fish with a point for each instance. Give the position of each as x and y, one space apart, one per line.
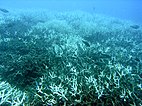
86 43
137 59
4 10
135 26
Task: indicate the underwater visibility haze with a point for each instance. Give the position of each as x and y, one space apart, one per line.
71 53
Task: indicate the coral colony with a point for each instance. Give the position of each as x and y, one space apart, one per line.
69 59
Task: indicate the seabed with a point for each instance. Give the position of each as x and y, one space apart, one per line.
69 58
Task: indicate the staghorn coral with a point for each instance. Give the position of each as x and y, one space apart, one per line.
53 66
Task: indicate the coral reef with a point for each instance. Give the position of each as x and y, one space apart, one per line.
69 59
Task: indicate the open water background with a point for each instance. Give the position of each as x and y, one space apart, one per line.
124 9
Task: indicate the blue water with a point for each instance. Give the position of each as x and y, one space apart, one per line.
124 9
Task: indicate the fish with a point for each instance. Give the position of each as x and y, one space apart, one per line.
137 59
135 26
4 10
86 43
